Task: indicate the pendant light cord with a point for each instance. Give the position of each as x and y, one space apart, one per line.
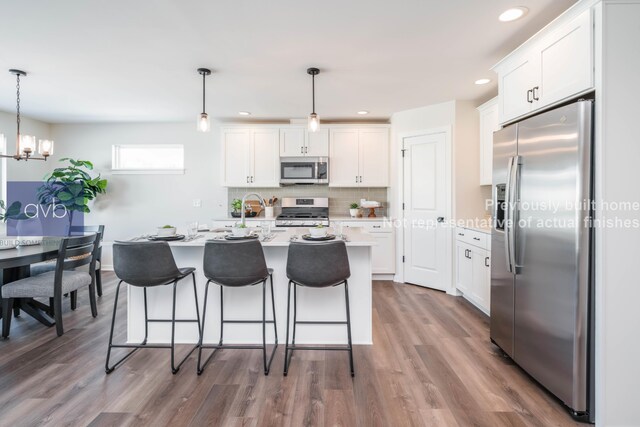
18 105
313 93
203 93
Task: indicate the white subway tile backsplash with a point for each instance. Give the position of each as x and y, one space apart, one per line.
339 198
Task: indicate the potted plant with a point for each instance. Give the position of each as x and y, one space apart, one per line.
72 186
354 210
236 205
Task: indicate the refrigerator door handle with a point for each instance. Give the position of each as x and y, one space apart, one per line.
513 214
507 216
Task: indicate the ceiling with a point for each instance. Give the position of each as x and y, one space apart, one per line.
114 61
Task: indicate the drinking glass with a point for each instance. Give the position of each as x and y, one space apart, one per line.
265 226
192 229
338 228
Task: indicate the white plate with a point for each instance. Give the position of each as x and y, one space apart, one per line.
8 244
29 240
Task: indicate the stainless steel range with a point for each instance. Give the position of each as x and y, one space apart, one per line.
303 212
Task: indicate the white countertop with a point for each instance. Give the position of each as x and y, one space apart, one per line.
485 230
282 237
364 218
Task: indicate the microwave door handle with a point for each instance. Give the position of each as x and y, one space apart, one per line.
515 217
507 216
315 175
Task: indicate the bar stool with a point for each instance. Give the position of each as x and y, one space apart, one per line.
146 265
317 265
236 264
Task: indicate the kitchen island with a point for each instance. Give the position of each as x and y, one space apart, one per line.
246 303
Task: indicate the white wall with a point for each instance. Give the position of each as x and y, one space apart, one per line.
136 204
617 178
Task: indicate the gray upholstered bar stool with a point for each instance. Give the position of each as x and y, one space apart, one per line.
317 265
148 265
236 264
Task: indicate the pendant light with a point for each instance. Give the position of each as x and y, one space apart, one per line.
314 119
26 144
203 118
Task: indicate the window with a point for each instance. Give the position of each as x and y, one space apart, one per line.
148 159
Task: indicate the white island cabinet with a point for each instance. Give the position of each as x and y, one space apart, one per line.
246 303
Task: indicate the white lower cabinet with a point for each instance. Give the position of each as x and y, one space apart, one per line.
473 267
383 256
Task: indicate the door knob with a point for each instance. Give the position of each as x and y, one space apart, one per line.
440 219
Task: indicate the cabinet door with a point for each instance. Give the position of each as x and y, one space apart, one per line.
318 143
464 268
236 159
292 142
344 155
489 123
566 61
374 157
515 82
383 255
481 282
265 159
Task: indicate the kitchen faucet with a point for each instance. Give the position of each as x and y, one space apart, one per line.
244 198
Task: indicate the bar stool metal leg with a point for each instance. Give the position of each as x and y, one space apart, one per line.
220 345
286 343
346 299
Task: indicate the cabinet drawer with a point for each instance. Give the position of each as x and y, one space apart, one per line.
370 227
473 237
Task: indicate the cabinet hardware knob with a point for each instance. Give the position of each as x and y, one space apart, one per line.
476 238
535 93
486 261
529 94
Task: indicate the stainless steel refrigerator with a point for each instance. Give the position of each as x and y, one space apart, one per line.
541 296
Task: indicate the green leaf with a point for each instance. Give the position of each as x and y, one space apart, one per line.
64 196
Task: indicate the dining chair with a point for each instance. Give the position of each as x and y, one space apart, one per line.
317 265
73 252
234 264
150 265
43 267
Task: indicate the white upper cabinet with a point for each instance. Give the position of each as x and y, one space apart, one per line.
297 142
359 157
553 66
236 144
264 158
343 162
566 60
317 144
516 85
489 123
292 142
374 157
250 157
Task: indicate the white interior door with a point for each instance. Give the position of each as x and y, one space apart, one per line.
427 197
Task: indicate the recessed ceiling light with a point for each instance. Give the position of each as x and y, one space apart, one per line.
244 113
513 14
363 112
482 81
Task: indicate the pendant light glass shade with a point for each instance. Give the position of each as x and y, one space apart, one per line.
314 122
27 144
203 122
45 147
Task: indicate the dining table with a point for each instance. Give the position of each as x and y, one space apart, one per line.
15 264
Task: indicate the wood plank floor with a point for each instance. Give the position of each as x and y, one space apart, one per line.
432 365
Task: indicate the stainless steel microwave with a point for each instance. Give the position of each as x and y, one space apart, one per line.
304 170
